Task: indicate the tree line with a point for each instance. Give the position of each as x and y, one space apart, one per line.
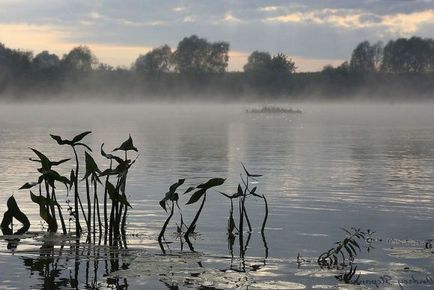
198 68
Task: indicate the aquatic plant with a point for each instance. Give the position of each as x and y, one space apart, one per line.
345 250
117 193
169 201
14 212
92 171
242 193
49 178
74 142
200 192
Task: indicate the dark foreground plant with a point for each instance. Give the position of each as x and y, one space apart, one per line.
345 250
74 142
14 212
241 195
200 192
49 178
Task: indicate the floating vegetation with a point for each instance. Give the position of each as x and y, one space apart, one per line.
274 110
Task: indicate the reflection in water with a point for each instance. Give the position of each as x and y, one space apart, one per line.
60 264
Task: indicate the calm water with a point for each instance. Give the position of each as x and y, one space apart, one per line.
335 166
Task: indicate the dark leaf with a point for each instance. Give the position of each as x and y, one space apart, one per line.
55 163
212 183
60 141
110 156
111 189
189 189
252 192
240 190
28 185
43 202
91 166
45 162
249 174
174 186
127 145
79 137
196 196
163 204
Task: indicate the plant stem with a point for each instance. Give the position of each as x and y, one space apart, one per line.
77 216
89 209
163 229
95 188
62 221
266 215
105 205
193 223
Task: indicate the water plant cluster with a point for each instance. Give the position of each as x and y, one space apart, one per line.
198 193
341 256
84 206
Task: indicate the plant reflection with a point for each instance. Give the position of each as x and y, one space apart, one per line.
60 264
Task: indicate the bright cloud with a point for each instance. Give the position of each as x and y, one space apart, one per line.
400 23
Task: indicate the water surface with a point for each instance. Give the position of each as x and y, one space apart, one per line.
332 167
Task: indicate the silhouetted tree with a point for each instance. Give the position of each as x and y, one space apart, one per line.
45 60
258 62
196 55
414 55
79 58
14 66
365 57
158 60
282 65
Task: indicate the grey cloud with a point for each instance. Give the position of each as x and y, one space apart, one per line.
152 22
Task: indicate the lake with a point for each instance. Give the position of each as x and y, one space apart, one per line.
368 166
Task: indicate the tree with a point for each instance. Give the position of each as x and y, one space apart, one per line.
158 60
377 50
282 65
414 55
79 58
45 60
363 58
196 55
14 66
258 62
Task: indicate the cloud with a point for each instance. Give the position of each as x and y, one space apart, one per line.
309 29
400 23
230 18
269 8
406 24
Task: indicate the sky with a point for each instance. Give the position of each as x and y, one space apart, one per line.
312 33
